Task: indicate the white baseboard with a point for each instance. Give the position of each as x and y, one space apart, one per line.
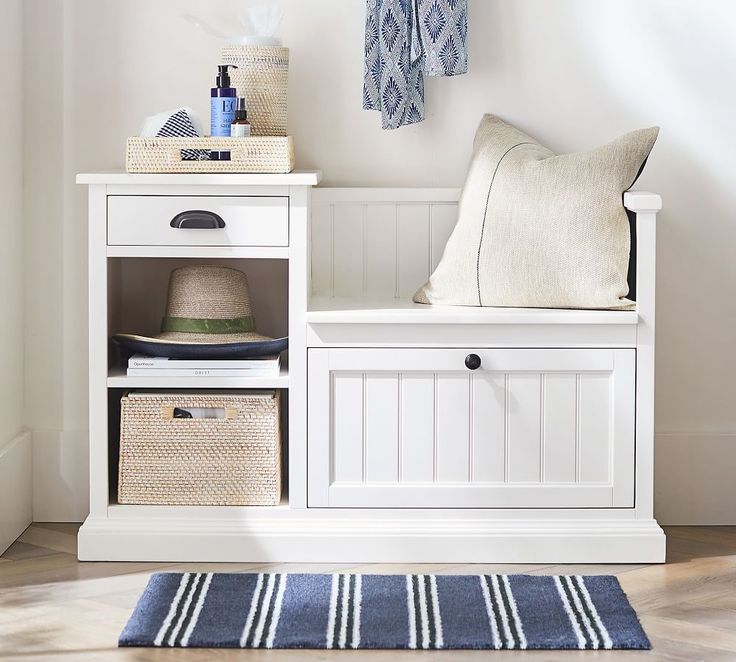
694 479
60 475
16 491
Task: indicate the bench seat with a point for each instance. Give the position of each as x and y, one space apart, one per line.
326 310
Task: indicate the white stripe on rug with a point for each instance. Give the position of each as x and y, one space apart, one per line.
514 612
439 641
276 611
423 610
489 611
197 610
510 641
592 635
570 614
264 611
607 643
345 611
172 610
412 612
252 611
185 609
333 610
356 610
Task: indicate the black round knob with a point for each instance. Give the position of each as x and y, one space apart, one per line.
472 361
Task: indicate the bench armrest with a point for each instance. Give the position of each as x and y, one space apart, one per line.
642 202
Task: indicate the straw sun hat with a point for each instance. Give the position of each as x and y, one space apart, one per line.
208 315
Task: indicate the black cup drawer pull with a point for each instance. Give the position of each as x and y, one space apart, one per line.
472 362
197 219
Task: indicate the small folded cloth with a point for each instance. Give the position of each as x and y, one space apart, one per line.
179 123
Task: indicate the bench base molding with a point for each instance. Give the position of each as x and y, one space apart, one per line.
316 539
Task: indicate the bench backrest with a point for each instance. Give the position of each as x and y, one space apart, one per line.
384 242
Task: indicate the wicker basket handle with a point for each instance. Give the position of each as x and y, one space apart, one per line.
239 154
175 155
177 413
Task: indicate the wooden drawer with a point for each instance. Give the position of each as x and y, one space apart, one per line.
147 221
531 428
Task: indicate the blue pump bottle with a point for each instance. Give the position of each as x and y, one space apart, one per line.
223 108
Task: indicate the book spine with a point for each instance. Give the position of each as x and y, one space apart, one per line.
138 363
181 364
200 372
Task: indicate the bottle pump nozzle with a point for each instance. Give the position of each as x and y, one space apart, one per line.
223 77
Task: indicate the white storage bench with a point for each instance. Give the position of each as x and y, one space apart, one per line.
412 433
537 422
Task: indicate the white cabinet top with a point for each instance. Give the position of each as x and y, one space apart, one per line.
296 178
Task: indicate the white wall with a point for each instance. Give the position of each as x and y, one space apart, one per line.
11 222
574 73
14 447
55 264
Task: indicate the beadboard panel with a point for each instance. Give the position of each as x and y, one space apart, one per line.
523 431
363 246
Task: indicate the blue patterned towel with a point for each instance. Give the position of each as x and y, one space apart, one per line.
404 40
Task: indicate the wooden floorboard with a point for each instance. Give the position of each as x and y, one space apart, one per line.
53 607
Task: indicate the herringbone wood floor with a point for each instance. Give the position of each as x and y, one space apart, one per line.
54 608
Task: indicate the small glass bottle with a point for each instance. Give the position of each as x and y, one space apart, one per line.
240 128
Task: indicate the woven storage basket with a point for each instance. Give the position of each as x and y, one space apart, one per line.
273 154
262 77
200 461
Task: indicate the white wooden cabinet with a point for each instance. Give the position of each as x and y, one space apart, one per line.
415 428
397 450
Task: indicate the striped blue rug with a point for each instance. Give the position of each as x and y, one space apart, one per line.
219 610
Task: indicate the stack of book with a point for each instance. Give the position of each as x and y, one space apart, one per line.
155 366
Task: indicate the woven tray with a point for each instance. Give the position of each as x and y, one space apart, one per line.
228 461
258 154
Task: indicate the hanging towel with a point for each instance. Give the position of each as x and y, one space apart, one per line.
404 40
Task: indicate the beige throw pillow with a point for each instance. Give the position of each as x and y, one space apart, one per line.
540 230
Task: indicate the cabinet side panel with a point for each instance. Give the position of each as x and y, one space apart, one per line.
98 347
